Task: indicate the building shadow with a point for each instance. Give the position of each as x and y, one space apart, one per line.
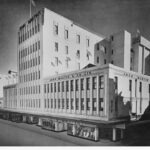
138 133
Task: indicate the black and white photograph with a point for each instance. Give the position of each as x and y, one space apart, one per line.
75 73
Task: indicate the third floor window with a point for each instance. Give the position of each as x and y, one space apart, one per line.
78 38
66 34
56 46
56 29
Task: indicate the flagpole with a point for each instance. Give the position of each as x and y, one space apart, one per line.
30 8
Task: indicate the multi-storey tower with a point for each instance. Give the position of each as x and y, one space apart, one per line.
49 44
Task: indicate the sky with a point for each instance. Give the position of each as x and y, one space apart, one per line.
102 16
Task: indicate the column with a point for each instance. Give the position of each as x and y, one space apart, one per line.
56 126
96 134
74 95
106 99
56 96
69 88
49 95
53 96
97 95
85 93
79 103
54 102
61 95
31 117
24 118
74 129
41 96
65 97
114 134
91 95
40 122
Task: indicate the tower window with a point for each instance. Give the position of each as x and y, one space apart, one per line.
78 54
56 29
66 49
56 61
105 50
78 38
97 46
66 34
56 46
87 42
116 83
97 59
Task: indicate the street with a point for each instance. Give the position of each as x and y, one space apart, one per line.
21 134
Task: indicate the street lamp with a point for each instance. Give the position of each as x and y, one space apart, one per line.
10 72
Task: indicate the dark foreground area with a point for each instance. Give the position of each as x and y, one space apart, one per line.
137 134
21 134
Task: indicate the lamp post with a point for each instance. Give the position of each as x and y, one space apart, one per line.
10 72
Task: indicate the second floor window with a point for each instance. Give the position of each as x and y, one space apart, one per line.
67 63
56 61
87 42
78 38
66 49
56 46
97 59
66 34
78 54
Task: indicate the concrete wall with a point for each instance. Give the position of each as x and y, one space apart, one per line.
121 45
102 52
117 50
